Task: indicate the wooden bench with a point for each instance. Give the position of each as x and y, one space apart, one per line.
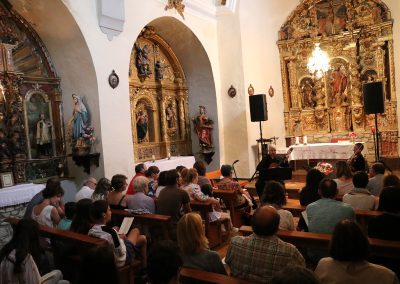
229 197
292 189
215 176
162 222
378 247
213 229
194 276
80 243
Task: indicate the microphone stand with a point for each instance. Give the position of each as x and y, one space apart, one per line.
234 171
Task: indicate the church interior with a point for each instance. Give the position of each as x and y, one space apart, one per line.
92 89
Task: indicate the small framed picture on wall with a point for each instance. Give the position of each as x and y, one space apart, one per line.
6 179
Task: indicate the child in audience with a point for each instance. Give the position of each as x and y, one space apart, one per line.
65 223
125 247
81 223
152 174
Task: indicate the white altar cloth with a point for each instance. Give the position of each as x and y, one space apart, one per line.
18 194
165 164
320 151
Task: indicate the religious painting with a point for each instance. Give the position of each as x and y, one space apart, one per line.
338 83
308 95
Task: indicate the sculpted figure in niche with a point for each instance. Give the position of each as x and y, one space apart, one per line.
358 114
338 85
171 117
142 121
142 60
320 118
308 94
43 136
79 119
203 126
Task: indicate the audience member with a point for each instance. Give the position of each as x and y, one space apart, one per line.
65 223
275 195
102 189
201 170
164 263
152 175
269 161
360 198
172 198
357 160
82 222
309 193
140 170
194 245
125 247
343 178
87 189
98 266
161 182
180 168
140 200
349 249
375 183
325 213
116 198
261 255
49 211
20 256
38 198
391 180
295 275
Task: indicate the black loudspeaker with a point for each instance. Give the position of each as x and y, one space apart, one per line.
373 98
258 107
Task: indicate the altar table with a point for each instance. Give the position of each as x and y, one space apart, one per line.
322 151
19 194
165 164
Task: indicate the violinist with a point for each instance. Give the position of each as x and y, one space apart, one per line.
268 162
357 161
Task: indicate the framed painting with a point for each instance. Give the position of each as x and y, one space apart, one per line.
6 179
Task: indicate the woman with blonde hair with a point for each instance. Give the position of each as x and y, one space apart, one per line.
344 178
194 245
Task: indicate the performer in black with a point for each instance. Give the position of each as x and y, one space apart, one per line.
268 162
357 161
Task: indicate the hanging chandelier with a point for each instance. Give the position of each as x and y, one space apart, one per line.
318 63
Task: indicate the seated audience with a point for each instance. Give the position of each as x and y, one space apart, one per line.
376 174
161 182
164 263
201 170
140 170
125 247
140 200
325 213
360 198
20 257
65 223
172 198
309 193
357 160
116 198
38 198
194 245
261 255
275 195
193 189
343 178
49 211
391 180
98 266
81 223
102 190
227 183
87 189
295 275
348 261
152 175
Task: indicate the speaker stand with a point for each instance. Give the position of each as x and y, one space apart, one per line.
262 151
377 141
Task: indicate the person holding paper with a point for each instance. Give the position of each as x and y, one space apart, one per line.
125 247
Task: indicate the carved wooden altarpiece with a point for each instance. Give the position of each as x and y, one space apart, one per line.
358 37
159 100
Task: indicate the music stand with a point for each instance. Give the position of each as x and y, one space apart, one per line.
278 174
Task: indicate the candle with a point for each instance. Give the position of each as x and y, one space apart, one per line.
153 157
297 140
305 139
169 156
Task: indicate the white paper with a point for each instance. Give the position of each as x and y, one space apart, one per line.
305 217
126 225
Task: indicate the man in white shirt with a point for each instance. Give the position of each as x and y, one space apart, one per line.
375 184
360 198
87 189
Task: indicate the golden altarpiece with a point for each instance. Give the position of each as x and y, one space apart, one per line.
31 126
357 36
159 100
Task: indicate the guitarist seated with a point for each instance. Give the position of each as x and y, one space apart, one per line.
268 162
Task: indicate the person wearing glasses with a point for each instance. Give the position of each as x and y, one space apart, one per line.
87 189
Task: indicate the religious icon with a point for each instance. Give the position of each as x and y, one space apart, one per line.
170 116
142 121
80 118
43 136
113 80
203 126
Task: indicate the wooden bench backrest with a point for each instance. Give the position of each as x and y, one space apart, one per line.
194 276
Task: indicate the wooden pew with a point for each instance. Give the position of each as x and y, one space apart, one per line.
215 176
152 220
80 243
194 276
292 189
382 248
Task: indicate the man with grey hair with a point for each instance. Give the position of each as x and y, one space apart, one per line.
140 200
87 189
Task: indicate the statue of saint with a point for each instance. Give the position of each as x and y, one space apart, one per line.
43 136
338 85
203 126
80 118
141 126
171 117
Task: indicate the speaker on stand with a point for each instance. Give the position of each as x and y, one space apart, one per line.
258 112
374 103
